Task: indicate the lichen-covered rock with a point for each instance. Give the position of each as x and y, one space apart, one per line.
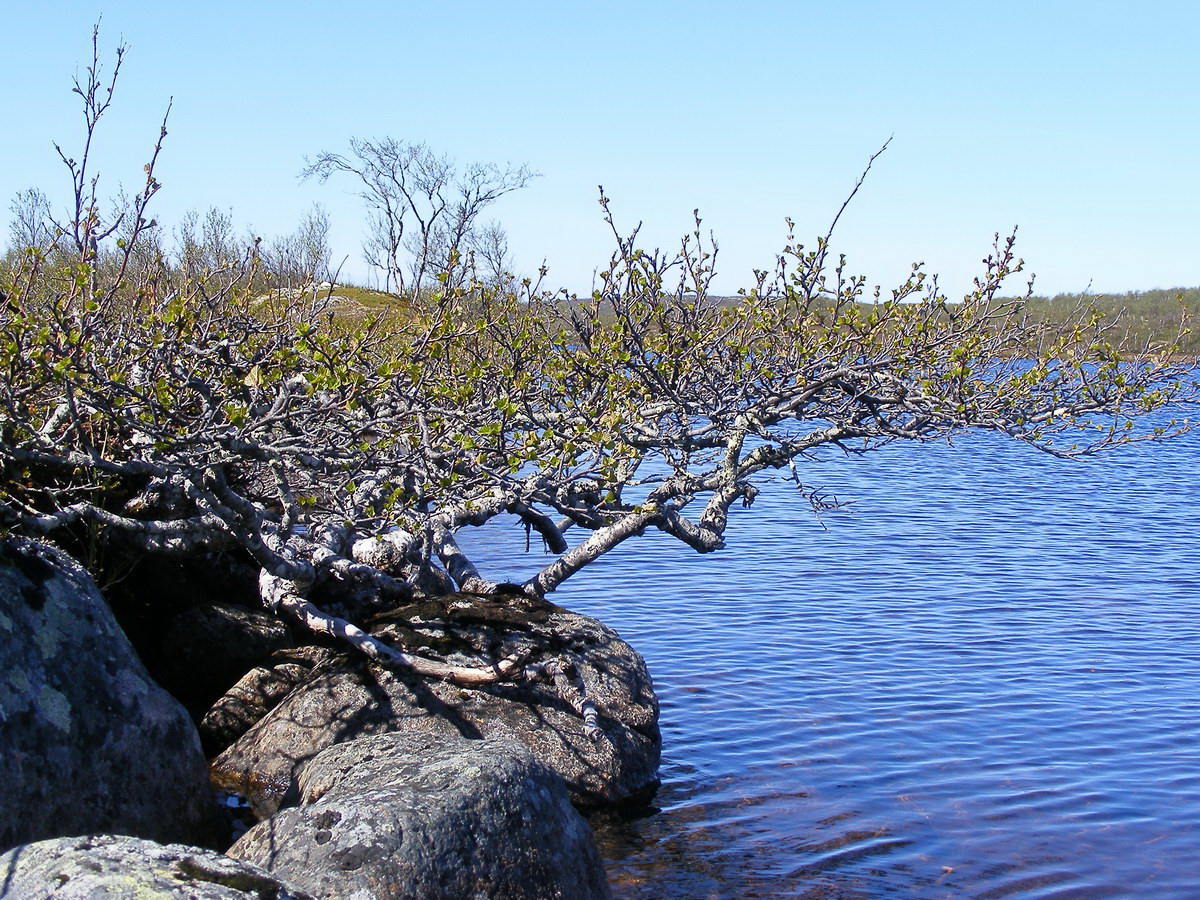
350 698
409 817
110 866
88 742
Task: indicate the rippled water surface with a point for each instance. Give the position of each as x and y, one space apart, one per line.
982 682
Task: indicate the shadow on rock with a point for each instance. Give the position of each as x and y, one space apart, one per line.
345 697
88 742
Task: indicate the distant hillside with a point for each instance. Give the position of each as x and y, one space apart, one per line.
1141 316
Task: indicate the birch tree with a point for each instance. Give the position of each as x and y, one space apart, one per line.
183 416
422 207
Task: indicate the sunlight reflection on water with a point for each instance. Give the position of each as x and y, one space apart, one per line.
984 682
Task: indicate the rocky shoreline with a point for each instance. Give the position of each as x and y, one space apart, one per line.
360 782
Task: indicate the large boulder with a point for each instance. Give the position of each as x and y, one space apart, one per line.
110 866
257 693
88 742
400 816
348 698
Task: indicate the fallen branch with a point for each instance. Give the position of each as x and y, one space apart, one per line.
566 679
289 597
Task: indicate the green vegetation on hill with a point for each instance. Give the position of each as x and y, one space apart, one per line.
1143 318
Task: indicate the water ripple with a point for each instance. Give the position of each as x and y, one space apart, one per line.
984 683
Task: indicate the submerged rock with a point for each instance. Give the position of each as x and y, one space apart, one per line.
400 816
348 698
103 866
88 742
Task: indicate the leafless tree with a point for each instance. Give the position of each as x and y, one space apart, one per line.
488 248
302 257
422 207
30 226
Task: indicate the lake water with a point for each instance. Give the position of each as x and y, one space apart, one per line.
983 682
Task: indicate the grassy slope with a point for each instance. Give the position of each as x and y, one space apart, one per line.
1142 316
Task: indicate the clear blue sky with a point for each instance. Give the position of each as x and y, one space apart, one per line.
1077 121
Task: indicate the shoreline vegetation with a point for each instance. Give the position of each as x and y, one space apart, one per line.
1150 317
208 403
1144 318
203 392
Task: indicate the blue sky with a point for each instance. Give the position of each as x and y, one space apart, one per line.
1076 121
